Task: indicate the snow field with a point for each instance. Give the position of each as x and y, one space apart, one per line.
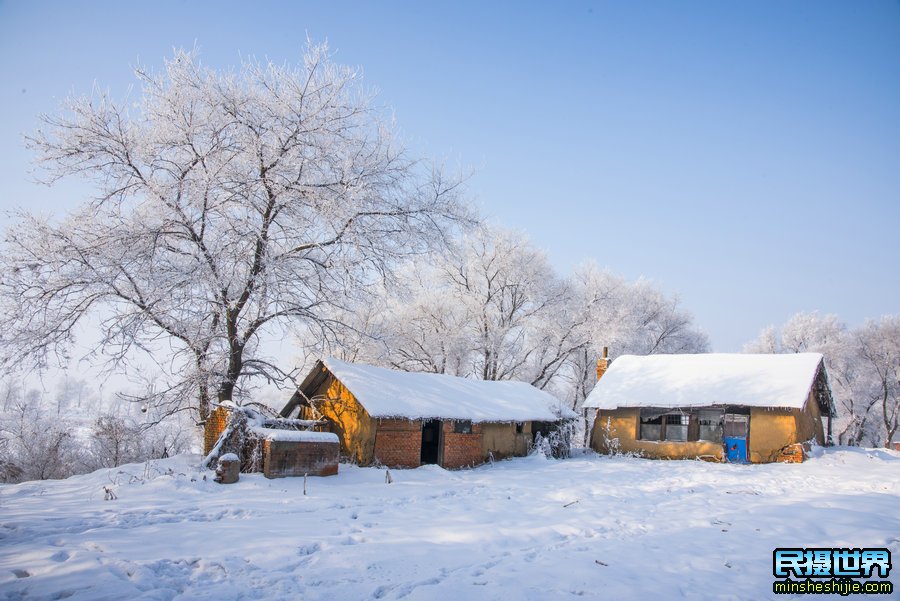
590 527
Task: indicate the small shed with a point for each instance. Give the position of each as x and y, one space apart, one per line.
297 452
276 447
741 408
407 419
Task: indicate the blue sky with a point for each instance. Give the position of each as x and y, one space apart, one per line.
745 156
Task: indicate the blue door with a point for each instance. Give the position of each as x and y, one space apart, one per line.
737 427
735 449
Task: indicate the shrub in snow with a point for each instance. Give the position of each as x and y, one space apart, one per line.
10 472
557 443
541 446
613 447
38 446
37 443
114 441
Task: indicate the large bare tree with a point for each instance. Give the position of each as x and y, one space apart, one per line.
229 206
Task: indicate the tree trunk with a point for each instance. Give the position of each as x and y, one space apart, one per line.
235 366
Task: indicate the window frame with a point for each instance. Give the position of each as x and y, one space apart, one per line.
656 422
677 422
462 426
687 422
720 427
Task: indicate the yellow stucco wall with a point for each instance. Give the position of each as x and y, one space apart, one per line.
773 429
811 426
618 430
349 420
770 431
502 440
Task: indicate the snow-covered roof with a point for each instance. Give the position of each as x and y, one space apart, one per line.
389 393
707 380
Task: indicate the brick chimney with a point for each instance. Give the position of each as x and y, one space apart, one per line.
603 363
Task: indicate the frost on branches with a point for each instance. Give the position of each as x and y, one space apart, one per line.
230 206
863 368
490 309
493 308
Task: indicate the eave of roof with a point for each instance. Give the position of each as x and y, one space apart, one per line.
415 395
712 379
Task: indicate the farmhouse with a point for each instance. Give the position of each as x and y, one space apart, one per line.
404 419
728 407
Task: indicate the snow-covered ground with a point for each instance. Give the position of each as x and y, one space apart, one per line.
590 527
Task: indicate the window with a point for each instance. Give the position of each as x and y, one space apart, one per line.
710 425
463 426
681 426
520 427
677 427
736 425
651 427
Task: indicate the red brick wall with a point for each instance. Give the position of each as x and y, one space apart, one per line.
398 442
215 424
461 450
294 458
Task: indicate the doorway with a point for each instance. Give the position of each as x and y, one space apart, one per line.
737 429
431 441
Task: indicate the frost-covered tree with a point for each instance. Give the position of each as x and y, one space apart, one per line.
879 350
115 440
74 393
229 206
516 308
37 446
491 309
495 309
826 334
634 317
628 317
862 369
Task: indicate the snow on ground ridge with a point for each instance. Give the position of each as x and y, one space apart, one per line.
530 528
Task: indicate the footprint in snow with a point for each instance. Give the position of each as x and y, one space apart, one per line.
354 540
308 549
60 556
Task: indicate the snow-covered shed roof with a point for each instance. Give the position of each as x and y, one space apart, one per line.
712 379
390 393
280 435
